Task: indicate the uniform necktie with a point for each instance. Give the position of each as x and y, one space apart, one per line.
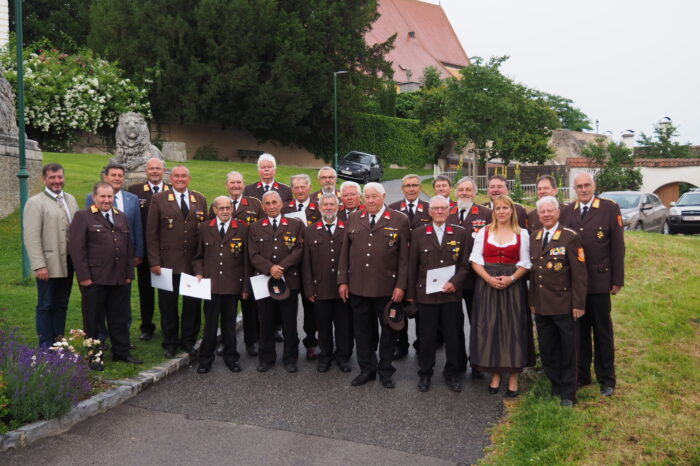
222 233
301 206
410 211
267 188
183 205
372 222
546 239
234 205
461 215
274 224
62 200
329 226
156 189
111 225
585 211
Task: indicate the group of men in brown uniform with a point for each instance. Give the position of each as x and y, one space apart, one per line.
352 261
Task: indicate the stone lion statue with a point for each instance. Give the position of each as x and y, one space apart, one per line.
134 146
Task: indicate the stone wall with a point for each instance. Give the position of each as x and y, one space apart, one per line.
9 166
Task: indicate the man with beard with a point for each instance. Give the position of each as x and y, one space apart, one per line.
327 177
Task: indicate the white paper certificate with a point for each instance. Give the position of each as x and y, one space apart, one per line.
301 215
436 278
190 286
259 285
164 281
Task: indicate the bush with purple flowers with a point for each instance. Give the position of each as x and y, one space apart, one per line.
40 384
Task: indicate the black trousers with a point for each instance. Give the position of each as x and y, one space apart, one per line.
433 317
597 319
251 328
110 302
330 314
222 306
268 309
310 327
468 296
558 338
367 320
170 321
146 298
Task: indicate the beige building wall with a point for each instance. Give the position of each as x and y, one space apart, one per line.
567 143
232 145
4 23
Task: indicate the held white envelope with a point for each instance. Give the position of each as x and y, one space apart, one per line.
298 215
436 278
190 286
164 281
259 284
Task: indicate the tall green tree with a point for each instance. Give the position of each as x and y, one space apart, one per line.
64 23
661 144
570 117
264 66
617 172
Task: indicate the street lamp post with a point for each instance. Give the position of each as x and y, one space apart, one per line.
335 115
22 174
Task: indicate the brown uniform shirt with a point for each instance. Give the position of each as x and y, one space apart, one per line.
321 259
476 218
421 216
257 190
311 211
374 261
426 254
172 239
100 252
223 260
558 277
603 241
284 247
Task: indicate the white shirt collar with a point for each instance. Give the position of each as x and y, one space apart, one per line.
305 203
53 194
588 204
159 186
278 218
415 203
226 224
178 194
378 215
552 230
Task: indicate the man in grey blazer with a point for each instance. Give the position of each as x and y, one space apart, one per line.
46 221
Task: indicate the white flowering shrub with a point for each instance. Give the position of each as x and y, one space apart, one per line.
66 94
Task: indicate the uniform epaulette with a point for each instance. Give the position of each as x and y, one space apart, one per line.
570 230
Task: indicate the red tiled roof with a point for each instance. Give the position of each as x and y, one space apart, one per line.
435 42
583 162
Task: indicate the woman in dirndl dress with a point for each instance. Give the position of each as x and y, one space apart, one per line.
501 340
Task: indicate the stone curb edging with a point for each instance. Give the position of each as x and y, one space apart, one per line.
123 390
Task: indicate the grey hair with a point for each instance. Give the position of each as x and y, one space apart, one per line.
350 184
226 198
588 174
409 176
267 157
468 179
547 200
162 162
234 173
326 168
376 186
302 176
439 198
187 170
271 193
328 196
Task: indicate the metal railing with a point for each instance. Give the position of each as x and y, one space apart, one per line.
452 175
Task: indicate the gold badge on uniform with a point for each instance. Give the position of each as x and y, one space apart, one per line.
539 235
455 253
600 234
290 242
236 245
393 237
549 265
558 266
556 235
581 255
170 223
596 203
171 197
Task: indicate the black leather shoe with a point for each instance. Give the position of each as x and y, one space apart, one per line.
363 378
344 367
512 393
453 384
203 369
264 367
145 336
388 383
220 349
278 337
291 368
400 353
190 350
476 374
252 350
170 354
567 403
233 367
424 384
130 358
607 391
323 366
494 390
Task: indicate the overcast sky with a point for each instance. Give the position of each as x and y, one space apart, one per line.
626 63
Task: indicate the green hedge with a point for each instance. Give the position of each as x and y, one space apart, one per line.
394 140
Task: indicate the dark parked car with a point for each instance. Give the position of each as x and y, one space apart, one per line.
685 214
360 166
640 211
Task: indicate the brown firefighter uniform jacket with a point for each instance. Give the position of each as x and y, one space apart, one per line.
283 247
321 259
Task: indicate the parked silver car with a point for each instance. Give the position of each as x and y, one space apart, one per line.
640 211
685 214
